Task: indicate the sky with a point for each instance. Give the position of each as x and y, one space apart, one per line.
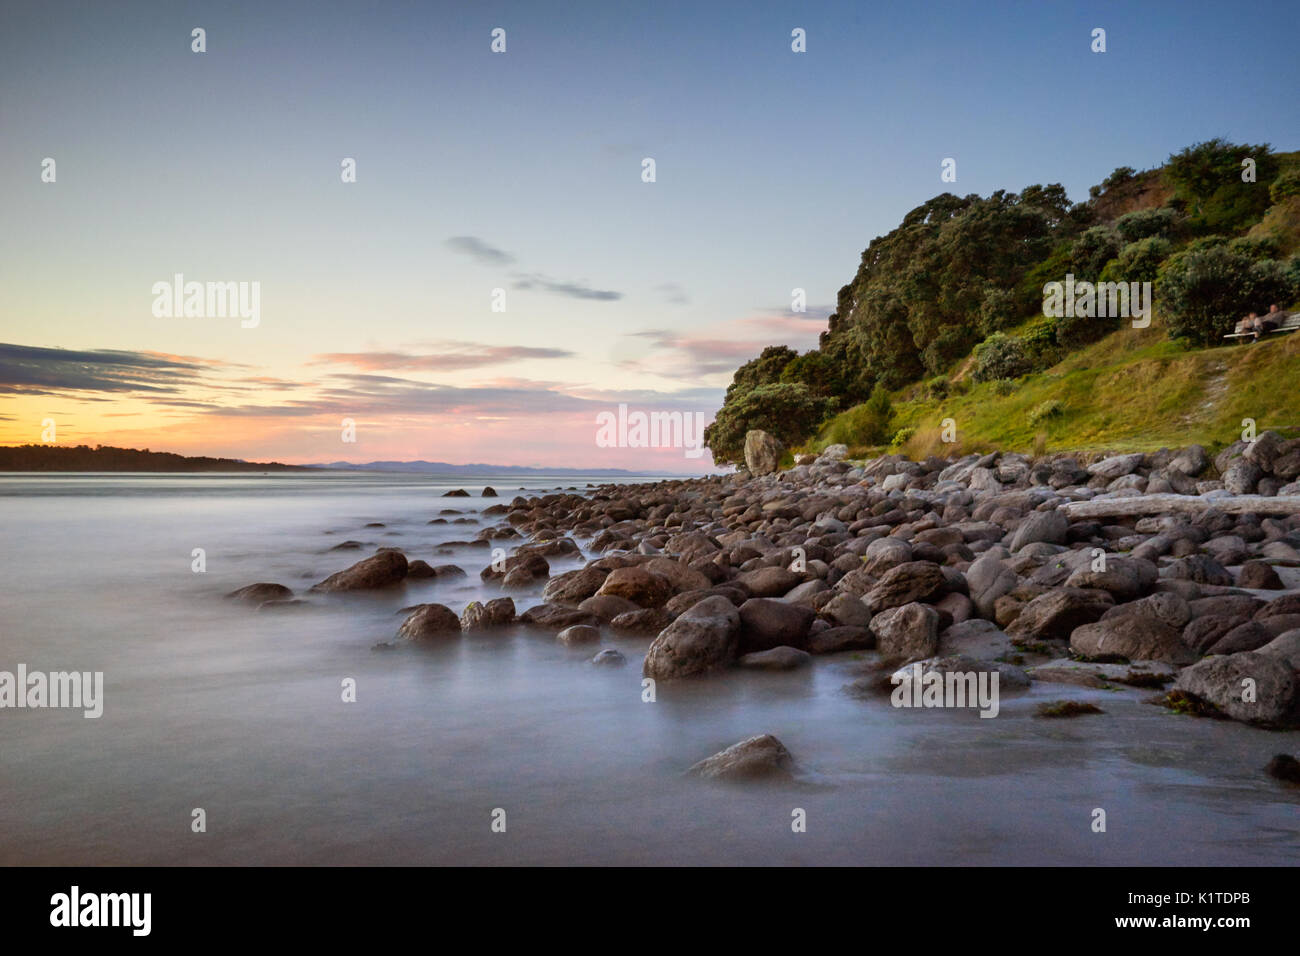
522 171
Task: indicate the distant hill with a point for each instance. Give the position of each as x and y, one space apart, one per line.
445 468
107 458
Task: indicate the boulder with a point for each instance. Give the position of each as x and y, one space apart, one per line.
907 633
641 622
908 583
609 657
1132 636
579 634
1224 681
381 570
1049 527
643 588
1055 614
497 613
762 452
775 659
1260 576
766 623
767 582
429 621
833 640
261 592
574 587
758 758
703 638
988 579
847 611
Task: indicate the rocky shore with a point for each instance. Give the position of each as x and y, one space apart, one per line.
1169 571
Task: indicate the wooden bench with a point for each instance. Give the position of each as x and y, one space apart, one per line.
1290 324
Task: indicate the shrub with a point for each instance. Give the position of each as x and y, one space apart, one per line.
1004 386
865 424
1048 409
937 387
789 411
1207 177
1145 223
1203 292
1285 186
1138 261
1121 175
1092 250
902 436
1001 356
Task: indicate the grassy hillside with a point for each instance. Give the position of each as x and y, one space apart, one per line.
1134 390
948 316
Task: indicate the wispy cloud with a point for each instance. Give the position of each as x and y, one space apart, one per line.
29 370
574 290
672 293
484 252
451 356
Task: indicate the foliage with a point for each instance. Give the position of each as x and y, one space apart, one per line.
1092 250
789 411
1207 178
1138 261
1204 292
1001 356
1048 409
865 424
1143 223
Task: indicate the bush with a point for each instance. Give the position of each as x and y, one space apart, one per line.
865 424
1145 223
1207 177
1138 261
902 436
1004 386
1285 186
1048 409
1092 250
937 387
1121 175
789 411
1203 292
1001 356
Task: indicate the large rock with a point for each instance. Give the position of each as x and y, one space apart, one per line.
833 640
1049 527
1138 637
847 611
1123 578
766 623
907 633
1260 576
767 582
606 607
703 638
988 579
556 617
911 582
579 634
1056 614
775 659
762 452
574 587
1116 466
497 613
1285 647
1224 681
682 576
261 592
643 588
380 570
758 758
429 621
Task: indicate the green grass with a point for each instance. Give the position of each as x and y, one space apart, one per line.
1134 390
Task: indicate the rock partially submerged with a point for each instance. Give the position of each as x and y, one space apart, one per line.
757 758
381 570
261 593
428 622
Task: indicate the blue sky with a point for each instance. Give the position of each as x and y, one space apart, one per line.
521 171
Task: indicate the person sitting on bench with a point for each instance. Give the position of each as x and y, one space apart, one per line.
1244 327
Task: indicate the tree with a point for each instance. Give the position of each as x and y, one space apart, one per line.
790 411
1203 292
1207 178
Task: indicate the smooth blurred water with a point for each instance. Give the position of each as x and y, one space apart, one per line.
216 705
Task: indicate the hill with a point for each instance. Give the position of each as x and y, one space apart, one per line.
944 318
107 458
